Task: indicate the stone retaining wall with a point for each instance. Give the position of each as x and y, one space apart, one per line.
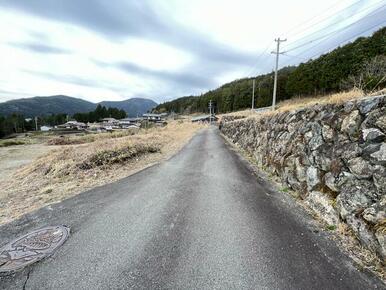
334 156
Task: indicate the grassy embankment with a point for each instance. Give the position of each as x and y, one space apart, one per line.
302 102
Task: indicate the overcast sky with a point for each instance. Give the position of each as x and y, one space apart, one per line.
114 50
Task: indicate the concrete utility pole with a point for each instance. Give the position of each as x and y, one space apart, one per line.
277 52
36 123
253 94
210 112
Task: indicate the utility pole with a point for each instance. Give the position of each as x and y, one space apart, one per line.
277 52
210 112
253 94
36 123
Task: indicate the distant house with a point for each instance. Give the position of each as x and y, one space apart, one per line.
153 117
130 123
205 118
73 125
110 121
96 127
45 128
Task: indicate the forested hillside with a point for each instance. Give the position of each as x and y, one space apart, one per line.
45 106
39 106
361 63
99 113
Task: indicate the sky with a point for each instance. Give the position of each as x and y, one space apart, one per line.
114 50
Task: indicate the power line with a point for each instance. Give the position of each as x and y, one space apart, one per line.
252 70
378 24
335 31
351 37
328 35
347 39
330 16
312 18
323 36
289 55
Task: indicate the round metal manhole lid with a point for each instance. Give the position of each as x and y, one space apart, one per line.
32 247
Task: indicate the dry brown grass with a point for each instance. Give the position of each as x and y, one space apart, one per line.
71 169
90 137
364 258
244 113
303 102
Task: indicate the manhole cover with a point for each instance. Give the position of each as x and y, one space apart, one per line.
32 247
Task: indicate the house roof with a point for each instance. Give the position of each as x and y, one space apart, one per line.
109 120
130 119
76 123
152 115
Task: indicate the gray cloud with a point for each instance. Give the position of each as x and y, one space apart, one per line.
6 95
86 82
118 19
180 83
40 48
181 78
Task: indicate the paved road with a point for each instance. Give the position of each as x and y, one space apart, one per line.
201 220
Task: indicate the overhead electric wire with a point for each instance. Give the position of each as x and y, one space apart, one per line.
252 70
331 24
326 36
312 18
320 53
329 17
289 55
340 32
336 31
351 37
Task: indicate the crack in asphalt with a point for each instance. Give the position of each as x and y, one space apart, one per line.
26 280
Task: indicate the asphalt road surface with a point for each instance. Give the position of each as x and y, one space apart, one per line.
201 220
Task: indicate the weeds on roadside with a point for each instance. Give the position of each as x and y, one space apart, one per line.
7 143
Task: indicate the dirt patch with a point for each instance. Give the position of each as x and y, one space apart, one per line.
71 169
13 157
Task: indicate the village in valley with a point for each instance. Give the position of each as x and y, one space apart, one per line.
147 120
110 124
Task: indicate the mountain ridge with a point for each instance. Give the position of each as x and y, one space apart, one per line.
56 104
